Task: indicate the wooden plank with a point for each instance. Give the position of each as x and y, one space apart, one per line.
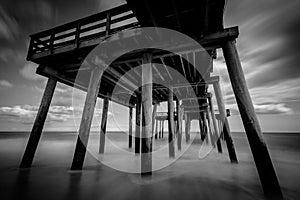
103 125
38 124
258 146
90 19
226 129
166 68
212 40
86 120
51 72
130 129
146 156
157 71
182 66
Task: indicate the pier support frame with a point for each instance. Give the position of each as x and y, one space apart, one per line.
103 125
210 128
215 125
171 136
86 120
187 127
202 126
137 138
130 129
153 120
38 125
146 156
156 129
258 146
225 124
162 128
179 124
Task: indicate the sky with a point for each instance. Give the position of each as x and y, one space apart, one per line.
269 48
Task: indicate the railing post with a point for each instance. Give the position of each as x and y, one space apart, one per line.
77 36
108 19
51 43
30 52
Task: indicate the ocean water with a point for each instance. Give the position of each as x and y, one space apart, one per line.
110 176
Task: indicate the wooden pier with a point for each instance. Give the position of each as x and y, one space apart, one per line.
61 51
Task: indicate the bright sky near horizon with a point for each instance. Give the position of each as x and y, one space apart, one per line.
268 46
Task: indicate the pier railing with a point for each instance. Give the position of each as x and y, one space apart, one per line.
72 34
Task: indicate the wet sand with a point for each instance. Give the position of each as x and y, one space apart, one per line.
213 177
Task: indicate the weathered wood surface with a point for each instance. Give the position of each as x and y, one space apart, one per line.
162 128
38 125
171 137
225 124
179 124
156 129
215 125
153 118
103 125
258 146
130 128
86 120
146 156
137 126
187 127
202 126
211 134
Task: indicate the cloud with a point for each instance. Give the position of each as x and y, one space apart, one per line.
264 109
26 114
28 72
9 28
5 84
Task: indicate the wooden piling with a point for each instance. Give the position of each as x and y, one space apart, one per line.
179 124
215 125
146 156
187 127
153 118
137 126
103 125
86 120
225 124
130 128
258 146
171 123
38 124
205 127
159 129
162 128
156 128
202 126
211 134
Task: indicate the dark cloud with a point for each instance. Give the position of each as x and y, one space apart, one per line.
269 40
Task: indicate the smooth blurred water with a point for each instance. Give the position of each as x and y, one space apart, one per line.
189 178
